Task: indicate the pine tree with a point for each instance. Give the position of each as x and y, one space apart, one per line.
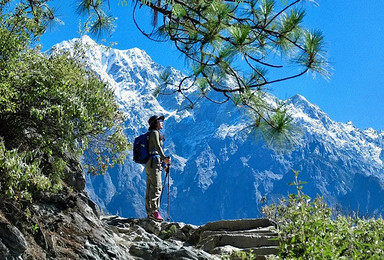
236 48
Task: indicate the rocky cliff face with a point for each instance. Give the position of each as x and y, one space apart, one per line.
61 226
221 170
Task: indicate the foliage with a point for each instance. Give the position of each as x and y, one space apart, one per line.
307 229
17 176
99 22
168 233
49 106
22 22
57 106
237 49
240 255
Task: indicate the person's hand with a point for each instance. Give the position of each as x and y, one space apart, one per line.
167 160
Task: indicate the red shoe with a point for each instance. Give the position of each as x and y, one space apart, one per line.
156 216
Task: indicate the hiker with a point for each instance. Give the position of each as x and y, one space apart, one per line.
154 166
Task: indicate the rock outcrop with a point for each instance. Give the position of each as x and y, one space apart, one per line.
69 226
147 239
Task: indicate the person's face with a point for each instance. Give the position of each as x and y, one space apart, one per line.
160 124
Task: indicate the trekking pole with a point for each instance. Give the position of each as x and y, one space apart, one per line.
162 188
167 176
169 216
166 169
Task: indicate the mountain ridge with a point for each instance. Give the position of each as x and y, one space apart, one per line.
214 157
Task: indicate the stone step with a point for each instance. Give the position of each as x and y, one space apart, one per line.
267 231
239 241
236 225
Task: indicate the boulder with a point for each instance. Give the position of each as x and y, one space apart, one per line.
12 240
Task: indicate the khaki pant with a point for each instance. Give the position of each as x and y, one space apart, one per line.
153 192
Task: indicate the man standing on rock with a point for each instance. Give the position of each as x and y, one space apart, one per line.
154 166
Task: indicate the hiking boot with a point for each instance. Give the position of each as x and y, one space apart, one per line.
156 216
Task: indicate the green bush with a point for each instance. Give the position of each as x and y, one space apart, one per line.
50 106
18 175
308 229
53 106
240 255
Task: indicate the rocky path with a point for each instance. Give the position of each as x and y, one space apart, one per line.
151 240
70 227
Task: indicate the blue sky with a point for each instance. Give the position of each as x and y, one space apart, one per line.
354 36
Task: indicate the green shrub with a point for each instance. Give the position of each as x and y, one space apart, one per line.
57 106
18 176
307 229
50 106
240 255
168 233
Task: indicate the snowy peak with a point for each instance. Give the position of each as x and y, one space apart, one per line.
297 99
318 127
136 53
66 45
122 65
301 107
300 101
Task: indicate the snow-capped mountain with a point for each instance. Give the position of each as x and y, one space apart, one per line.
219 171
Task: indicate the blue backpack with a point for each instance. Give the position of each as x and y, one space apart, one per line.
140 148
